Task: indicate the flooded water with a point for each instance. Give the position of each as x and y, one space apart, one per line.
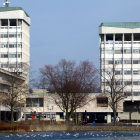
71 136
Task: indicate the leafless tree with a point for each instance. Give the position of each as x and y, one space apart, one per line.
113 89
17 85
70 83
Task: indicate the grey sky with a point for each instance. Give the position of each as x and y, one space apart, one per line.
69 28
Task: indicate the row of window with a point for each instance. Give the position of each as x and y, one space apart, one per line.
121 62
119 37
125 51
126 83
126 72
118 42
13 65
11 55
14 45
10 35
10 27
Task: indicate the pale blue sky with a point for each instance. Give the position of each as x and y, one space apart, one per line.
69 28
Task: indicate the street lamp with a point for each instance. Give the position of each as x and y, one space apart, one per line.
50 108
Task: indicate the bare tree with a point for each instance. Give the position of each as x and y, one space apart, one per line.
113 89
17 86
70 83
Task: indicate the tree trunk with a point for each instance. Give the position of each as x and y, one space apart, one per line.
12 114
114 121
67 115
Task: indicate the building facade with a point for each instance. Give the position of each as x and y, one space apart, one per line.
14 40
14 54
41 103
120 54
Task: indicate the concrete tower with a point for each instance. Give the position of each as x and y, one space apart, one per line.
14 40
120 48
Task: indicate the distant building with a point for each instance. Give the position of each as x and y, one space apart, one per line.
14 40
120 48
14 51
41 103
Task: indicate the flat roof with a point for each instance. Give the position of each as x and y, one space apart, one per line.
5 9
121 24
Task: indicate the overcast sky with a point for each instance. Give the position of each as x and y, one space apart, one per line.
69 28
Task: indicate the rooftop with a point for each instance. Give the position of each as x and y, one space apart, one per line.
5 9
121 24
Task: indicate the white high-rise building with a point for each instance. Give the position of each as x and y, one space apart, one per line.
120 49
14 40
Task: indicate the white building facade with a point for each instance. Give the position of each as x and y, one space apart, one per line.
14 39
120 48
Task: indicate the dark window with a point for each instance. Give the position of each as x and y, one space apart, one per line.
13 22
4 55
118 37
102 37
4 22
28 102
136 37
127 37
136 61
102 101
109 37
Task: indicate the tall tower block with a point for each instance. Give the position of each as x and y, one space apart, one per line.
14 40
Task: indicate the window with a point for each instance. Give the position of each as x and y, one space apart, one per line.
136 37
136 83
127 37
4 65
127 72
118 37
12 35
109 37
102 37
136 72
118 61
110 62
28 102
34 102
4 55
12 45
118 51
127 83
102 101
13 22
4 35
127 51
118 72
4 46
12 55
136 61
4 22
127 61
136 51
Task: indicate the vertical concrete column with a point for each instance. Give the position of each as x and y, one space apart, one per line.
104 60
132 39
109 118
123 63
8 42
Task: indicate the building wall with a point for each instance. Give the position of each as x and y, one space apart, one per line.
15 44
122 54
